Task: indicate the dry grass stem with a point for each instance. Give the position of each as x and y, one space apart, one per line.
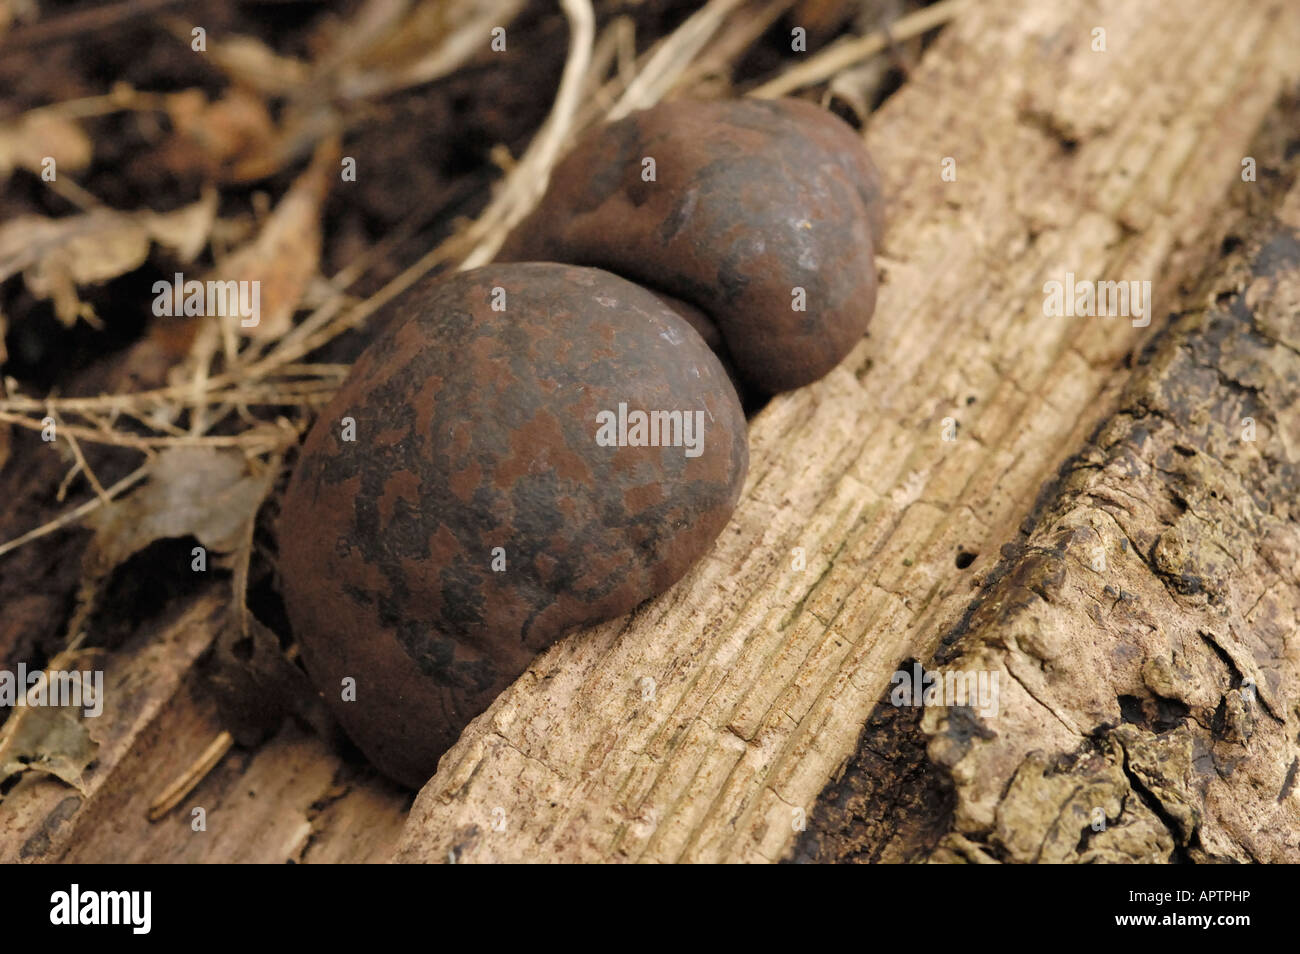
841 56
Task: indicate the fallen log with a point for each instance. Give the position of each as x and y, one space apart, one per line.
1142 630
704 727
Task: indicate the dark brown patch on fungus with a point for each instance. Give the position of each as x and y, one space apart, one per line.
750 201
475 429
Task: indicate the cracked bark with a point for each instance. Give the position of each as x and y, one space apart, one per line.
1144 625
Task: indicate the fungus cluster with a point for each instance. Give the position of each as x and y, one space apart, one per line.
546 442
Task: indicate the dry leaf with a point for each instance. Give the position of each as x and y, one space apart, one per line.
252 63
186 230
284 257
344 40
49 739
220 136
57 255
46 739
27 141
247 60
433 40
204 492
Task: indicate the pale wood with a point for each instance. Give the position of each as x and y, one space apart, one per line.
1110 165
1141 632
39 816
1163 573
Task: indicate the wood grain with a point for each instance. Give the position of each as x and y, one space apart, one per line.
292 798
1109 165
1140 632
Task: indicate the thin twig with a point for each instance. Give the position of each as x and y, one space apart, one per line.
94 19
524 187
843 55
673 56
76 513
74 194
267 437
61 494
732 44
80 458
189 779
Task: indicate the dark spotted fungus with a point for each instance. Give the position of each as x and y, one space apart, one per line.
535 447
529 448
762 215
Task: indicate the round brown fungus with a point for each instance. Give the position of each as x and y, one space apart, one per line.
762 214
537 447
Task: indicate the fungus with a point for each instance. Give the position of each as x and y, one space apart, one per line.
537 447
762 214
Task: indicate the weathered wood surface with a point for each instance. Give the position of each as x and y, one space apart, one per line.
291 799
700 728
1143 631
703 728
1164 687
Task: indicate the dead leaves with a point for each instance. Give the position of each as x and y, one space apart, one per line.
32 139
47 738
55 256
276 110
217 136
253 64
284 257
204 492
233 138
211 494
420 44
